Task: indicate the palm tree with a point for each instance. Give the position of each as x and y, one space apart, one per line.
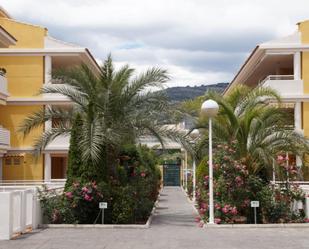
261 129
114 109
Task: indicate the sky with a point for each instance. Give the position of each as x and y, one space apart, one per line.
197 41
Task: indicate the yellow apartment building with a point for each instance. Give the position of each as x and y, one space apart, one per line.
27 57
282 64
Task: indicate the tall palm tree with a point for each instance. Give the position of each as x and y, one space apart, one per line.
115 108
261 129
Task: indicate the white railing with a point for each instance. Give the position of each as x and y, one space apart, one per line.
61 142
3 85
277 77
20 212
4 137
285 85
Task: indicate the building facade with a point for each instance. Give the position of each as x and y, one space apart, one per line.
28 55
283 65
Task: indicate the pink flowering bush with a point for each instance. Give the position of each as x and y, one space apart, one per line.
235 187
130 191
78 204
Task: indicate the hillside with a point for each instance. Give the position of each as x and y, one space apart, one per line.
177 94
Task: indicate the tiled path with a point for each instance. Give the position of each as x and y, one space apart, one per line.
173 228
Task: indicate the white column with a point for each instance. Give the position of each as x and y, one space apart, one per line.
274 172
47 69
47 80
297 117
211 190
297 66
298 126
47 167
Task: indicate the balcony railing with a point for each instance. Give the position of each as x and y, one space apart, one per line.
3 87
285 85
4 138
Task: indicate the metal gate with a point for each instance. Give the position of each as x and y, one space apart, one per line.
171 175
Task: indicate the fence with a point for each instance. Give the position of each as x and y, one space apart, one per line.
20 211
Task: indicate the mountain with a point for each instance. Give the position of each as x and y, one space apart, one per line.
178 94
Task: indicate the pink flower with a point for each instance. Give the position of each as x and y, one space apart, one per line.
85 189
239 181
217 206
87 197
306 220
225 210
197 218
204 205
234 211
217 220
143 174
206 178
69 195
202 211
280 158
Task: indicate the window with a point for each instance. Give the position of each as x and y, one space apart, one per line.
8 161
16 160
13 160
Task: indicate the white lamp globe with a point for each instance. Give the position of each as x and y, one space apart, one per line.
210 108
195 133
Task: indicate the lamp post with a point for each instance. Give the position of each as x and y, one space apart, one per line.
210 109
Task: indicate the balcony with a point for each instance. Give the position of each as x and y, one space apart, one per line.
285 85
3 88
59 144
4 138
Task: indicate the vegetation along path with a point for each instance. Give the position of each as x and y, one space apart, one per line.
173 227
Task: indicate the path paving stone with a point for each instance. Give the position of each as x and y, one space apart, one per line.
173 227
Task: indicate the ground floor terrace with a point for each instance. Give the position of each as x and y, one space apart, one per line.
173 226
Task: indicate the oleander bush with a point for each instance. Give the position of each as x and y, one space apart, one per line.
235 188
130 193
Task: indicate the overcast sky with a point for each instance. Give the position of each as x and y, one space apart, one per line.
198 41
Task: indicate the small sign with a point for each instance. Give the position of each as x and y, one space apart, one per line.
255 203
103 205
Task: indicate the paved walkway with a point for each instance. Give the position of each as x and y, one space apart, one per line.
173 228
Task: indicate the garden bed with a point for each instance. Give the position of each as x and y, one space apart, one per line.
277 225
107 226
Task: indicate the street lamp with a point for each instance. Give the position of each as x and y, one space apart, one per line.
210 109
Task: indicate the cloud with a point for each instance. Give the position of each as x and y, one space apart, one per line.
198 41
